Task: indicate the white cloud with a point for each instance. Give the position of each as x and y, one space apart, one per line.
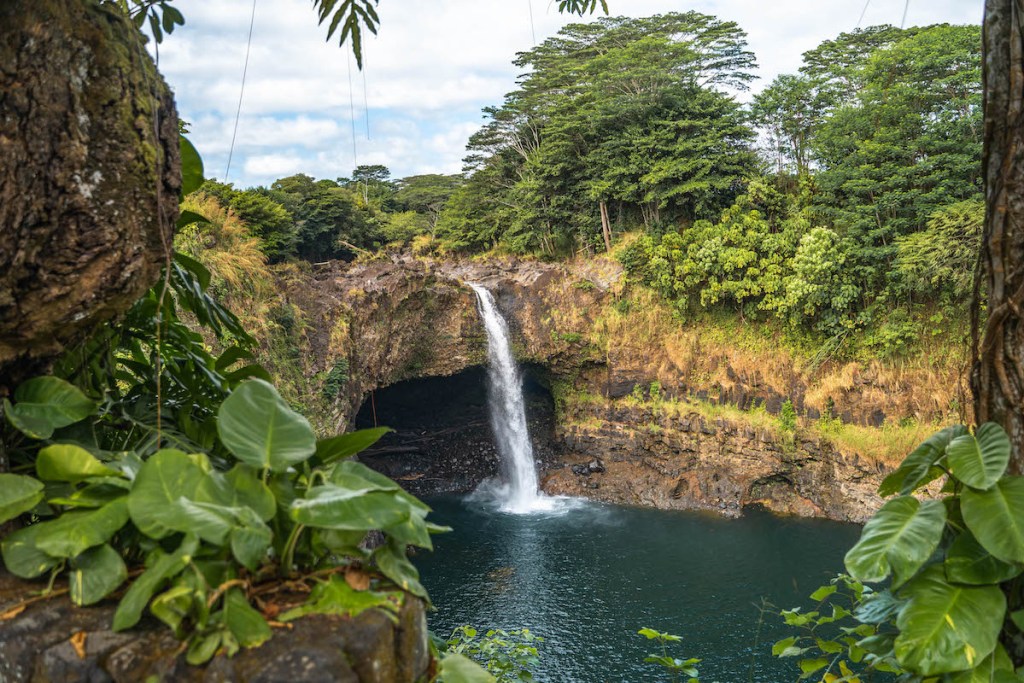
428 73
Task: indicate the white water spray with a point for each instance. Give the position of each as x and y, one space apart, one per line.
508 414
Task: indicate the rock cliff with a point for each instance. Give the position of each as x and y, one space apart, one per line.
678 415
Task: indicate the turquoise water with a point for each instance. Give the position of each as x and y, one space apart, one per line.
588 577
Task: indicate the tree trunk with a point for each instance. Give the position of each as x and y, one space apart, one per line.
89 176
606 227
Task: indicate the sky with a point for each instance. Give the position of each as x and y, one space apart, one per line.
428 73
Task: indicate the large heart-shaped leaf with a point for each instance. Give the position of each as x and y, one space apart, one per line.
73 533
67 462
21 555
394 564
946 628
996 517
919 468
259 428
334 507
996 668
165 477
44 404
95 574
18 494
979 460
239 487
346 445
900 537
968 562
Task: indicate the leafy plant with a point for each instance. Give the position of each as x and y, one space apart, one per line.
787 416
508 656
952 563
676 667
211 528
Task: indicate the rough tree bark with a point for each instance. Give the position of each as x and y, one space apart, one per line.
89 175
998 375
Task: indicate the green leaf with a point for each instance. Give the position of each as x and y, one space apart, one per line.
247 625
197 269
917 468
174 605
165 477
203 648
191 167
249 544
346 445
996 668
461 669
334 507
823 592
979 460
968 562
239 487
64 462
393 563
901 536
996 517
162 567
73 533
22 557
335 596
95 574
946 628
44 404
18 494
259 428
186 218
809 666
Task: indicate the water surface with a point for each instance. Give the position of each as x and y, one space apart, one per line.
589 576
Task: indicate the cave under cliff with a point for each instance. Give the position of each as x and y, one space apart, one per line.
443 440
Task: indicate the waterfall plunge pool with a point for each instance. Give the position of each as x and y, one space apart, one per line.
588 577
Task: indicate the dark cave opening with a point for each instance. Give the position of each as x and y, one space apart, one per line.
443 441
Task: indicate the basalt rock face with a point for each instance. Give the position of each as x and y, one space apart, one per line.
585 334
688 462
53 642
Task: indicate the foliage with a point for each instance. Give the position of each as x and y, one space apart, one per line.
507 655
677 668
955 565
626 112
787 416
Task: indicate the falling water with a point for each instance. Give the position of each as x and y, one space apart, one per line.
508 413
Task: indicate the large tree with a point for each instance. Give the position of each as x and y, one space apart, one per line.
998 378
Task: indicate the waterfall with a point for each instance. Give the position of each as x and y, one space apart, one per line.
508 412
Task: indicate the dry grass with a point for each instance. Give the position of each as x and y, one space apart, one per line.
888 444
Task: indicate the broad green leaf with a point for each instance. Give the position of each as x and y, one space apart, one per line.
462 669
346 445
335 596
73 533
18 494
189 218
823 592
249 543
946 628
164 478
259 428
95 574
979 460
44 404
393 563
247 625
191 167
21 556
917 468
199 271
239 487
968 562
996 668
809 666
64 462
203 648
333 507
901 536
996 517
162 567
208 521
